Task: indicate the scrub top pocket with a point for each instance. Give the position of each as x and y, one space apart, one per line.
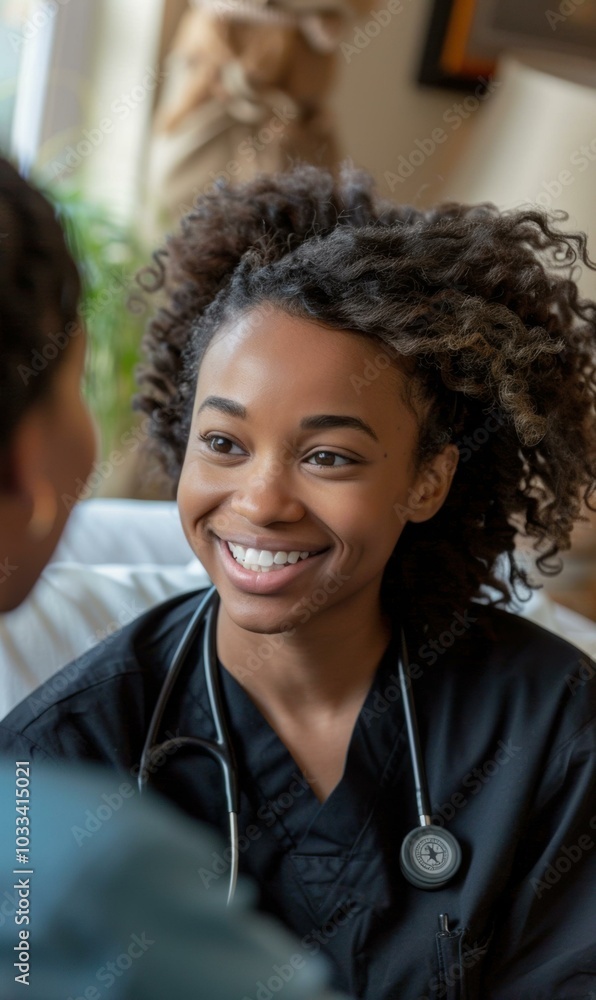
460 964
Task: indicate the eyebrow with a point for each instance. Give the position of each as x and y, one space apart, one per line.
321 421
328 420
224 405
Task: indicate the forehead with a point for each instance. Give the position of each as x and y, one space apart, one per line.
267 348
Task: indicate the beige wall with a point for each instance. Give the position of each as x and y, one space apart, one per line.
520 143
382 111
537 144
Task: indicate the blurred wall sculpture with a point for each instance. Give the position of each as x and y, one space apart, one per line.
247 89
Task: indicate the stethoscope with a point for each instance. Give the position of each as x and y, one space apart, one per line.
430 856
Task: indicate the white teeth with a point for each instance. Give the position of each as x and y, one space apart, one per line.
263 560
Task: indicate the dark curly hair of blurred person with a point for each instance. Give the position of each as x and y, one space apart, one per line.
39 296
481 310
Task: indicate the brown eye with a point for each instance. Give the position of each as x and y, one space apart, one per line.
328 459
220 445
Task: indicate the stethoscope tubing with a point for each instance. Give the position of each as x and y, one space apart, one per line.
222 749
418 768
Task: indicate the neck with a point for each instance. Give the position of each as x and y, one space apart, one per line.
326 663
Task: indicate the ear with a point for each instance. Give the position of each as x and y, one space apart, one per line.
427 495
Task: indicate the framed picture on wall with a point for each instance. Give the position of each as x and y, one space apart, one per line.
452 56
464 37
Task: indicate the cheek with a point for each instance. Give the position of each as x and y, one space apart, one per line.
75 450
200 490
397 498
85 442
88 439
371 513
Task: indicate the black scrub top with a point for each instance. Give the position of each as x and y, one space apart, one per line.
507 724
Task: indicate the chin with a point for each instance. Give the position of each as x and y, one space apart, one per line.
257 618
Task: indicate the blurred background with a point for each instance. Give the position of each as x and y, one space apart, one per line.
125 111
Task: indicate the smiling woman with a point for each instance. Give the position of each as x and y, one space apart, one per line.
330 506
360 406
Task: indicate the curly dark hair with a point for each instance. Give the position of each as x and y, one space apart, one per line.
482 310
39 296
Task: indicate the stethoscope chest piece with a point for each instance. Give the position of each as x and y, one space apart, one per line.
430 857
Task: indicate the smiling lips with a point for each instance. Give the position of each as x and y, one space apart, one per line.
264 560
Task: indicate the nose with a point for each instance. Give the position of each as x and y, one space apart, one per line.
268 496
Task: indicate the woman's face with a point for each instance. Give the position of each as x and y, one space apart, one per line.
299 467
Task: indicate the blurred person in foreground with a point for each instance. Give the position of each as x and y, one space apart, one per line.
98 891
